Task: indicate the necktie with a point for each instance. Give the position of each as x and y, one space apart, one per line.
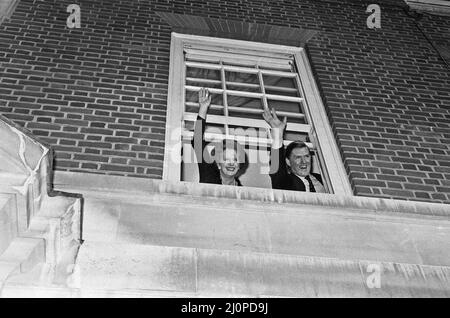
311 186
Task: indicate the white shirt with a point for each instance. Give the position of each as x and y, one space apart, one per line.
317 185
305 182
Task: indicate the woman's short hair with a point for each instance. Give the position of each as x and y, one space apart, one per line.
217 152
220 147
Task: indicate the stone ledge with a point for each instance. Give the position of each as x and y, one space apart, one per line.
22 255
15 290
185 221
104 185
112 269
26 252
8 223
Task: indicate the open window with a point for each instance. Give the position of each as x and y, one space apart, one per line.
244 78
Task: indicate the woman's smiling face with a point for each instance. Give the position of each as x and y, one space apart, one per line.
230 164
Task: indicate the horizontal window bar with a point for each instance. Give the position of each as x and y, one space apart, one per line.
240 69
247 94
249 110
251 141
241 52
246 122
270 87
237 60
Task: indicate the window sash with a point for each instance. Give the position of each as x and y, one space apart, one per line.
207 59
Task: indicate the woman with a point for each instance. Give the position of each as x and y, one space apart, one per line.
228 160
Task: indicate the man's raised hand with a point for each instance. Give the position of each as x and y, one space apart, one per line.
278 127
270 116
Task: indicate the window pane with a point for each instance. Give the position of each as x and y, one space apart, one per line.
276 90
245 102
247 115
271 80
292 110
203 77
277 85
284 67
191 103
245 107
214 132
242 81
241 63
296 136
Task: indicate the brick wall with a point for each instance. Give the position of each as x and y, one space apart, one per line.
98 94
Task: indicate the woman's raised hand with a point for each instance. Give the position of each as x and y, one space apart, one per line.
204 100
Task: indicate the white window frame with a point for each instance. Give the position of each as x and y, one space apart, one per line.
332 167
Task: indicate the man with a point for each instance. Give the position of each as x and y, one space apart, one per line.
296 158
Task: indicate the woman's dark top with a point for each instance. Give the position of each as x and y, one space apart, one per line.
208 170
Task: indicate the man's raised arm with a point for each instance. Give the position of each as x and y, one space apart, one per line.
278 172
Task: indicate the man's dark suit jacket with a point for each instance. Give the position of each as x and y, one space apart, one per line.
209 172
283 180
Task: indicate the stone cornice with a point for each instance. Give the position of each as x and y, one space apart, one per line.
238 30
243 196
256 230
438 7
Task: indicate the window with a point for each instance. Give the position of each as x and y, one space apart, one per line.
244 78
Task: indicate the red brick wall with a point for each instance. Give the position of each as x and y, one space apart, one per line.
98 94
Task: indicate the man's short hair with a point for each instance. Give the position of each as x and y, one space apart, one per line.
293 145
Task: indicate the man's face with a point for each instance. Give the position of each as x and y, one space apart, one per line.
230 165
300 161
